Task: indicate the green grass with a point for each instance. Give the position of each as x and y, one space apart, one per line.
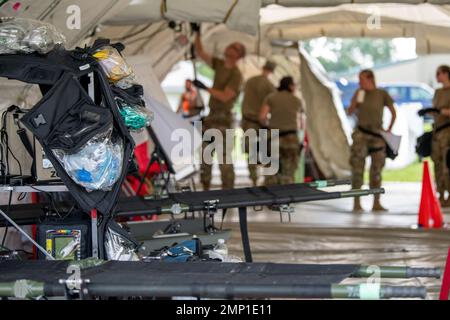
411 173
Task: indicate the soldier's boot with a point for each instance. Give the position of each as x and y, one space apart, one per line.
377 204
357 208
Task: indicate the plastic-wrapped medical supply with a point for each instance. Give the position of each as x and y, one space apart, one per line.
135 116
114 65
118 248
97 165
26 36
126 82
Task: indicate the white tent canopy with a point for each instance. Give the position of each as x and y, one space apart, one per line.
143 27
239 15
295 20
427 21
331 3
428 24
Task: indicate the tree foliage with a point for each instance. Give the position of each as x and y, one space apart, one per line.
345 54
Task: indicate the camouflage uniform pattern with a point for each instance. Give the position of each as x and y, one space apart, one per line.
364 145
252 168
439 148
441 142
226 170
370 117
284 109
256 90
288 158
221 118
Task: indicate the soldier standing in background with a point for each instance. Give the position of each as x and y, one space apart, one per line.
256 90
441 137
225 91
369 102
285 111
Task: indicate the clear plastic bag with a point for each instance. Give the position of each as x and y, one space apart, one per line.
97 165
126 82
114 65
118 248
20 35
135 116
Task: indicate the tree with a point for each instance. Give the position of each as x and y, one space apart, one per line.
345 54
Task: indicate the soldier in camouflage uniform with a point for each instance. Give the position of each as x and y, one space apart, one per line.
369 103
256 90
441 138
225 91
285 111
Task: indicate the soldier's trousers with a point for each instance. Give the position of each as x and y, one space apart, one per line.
251 141
289 154
439 148
226 169
363 145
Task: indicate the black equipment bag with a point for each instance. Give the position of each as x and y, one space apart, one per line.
66 117
424 142
390 153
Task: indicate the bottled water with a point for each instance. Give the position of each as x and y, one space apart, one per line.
221 248
220 252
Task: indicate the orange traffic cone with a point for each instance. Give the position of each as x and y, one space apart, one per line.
429 209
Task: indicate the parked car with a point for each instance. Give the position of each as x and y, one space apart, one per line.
402 93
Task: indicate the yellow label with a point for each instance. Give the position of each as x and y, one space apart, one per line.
49 246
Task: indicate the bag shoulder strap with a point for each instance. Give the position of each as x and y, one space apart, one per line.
442 127
366 131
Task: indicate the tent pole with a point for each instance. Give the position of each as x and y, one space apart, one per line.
49 256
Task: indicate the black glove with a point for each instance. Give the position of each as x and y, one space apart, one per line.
199 84
195 27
